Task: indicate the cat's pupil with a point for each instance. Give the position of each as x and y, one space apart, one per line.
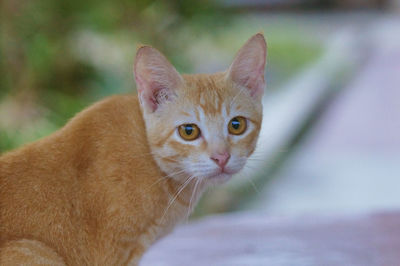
235 123
189 130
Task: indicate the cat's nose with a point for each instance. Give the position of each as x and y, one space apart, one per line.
221 159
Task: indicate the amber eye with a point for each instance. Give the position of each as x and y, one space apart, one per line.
237 125
189 131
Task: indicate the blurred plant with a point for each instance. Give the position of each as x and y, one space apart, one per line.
35 36
42 66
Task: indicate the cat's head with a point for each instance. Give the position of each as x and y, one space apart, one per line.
202 125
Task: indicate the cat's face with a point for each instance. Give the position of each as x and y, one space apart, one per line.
202 126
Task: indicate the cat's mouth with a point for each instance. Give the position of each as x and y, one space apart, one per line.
220 177
221 174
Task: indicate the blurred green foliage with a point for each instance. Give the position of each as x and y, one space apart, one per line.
59 56
41 62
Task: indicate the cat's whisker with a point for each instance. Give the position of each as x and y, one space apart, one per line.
248 178
193 195
176 196
181 187
156 182
253 185
165 177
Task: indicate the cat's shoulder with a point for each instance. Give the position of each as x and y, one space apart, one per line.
116 103
111 108
119 113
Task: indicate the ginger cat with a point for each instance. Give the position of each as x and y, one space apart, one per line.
125 171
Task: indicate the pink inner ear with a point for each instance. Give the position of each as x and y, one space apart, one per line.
258 83
154 95
247 69
155 77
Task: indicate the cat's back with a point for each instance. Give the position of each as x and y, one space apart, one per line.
113 119
40 181
113 116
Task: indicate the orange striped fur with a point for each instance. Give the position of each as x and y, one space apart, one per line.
118 176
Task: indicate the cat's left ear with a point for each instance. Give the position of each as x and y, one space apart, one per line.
156 78
247 69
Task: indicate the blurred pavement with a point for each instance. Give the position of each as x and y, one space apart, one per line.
244 239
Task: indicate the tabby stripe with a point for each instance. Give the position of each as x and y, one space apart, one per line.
163 140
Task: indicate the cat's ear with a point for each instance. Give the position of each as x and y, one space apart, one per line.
156 78
247 69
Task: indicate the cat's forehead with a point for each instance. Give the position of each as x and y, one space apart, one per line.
210 93
205 87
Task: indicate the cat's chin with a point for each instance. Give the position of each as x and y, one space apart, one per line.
219 178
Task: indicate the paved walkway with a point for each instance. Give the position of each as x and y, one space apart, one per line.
258 240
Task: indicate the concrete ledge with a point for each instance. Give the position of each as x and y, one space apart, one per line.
250 239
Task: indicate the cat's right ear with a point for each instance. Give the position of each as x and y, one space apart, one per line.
156 79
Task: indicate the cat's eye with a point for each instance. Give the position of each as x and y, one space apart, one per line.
189 131
237 125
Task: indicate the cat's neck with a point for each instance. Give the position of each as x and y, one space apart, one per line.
175 208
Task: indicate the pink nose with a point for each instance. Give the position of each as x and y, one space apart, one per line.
221 159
